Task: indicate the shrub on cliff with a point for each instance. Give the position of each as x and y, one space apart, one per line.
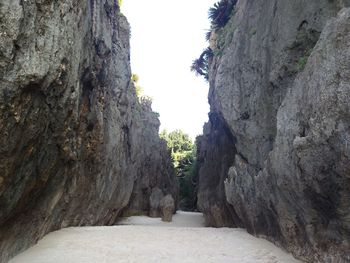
220 13
201 65
138 89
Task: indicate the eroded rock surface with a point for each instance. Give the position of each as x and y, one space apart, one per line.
279 82
167 208
215 154
72 136
154 202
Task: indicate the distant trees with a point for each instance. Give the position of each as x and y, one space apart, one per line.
177 141
183 153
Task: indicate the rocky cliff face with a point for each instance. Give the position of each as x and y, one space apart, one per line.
156 171
73 137
279 82
216 142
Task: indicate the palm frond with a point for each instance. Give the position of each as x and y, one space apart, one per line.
207 35
201 65
220 13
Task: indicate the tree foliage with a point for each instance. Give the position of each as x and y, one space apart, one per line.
183 153
201 65
177 141
220 13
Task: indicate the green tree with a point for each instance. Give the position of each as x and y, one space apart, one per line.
183 153
177 141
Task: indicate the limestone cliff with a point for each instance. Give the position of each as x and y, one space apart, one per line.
280 88
156 171
72 133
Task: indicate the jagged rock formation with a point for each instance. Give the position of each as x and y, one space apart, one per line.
215 142
279 84
73 138
154 202
167 207
156 174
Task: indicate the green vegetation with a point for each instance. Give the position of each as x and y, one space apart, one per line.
178 142
138 89
187 174
201 65
219 15
120 3
302 63
183 153
224 36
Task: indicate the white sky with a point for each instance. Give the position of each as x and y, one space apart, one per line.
166 36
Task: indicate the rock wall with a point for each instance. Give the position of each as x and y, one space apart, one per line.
279 82
72 135
156 172
215 154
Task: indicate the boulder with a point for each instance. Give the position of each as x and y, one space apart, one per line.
167 208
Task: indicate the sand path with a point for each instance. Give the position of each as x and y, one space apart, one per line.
143 239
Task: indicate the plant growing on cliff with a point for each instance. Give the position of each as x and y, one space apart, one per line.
201 65
138 89
220 13
207 35
302 63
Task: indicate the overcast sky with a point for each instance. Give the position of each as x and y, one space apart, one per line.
166 36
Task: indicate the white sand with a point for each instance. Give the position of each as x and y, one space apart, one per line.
180 219
184 240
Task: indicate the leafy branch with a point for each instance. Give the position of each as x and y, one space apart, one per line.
201 65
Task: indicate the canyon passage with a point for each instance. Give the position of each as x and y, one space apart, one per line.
80 149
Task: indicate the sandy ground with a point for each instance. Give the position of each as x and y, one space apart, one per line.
143 239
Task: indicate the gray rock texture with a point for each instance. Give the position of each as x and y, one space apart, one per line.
216 142
155 177
73 136
167 208
154 202
279 83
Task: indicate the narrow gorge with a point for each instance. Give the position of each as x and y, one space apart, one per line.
78 147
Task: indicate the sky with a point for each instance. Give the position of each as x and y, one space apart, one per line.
166 36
